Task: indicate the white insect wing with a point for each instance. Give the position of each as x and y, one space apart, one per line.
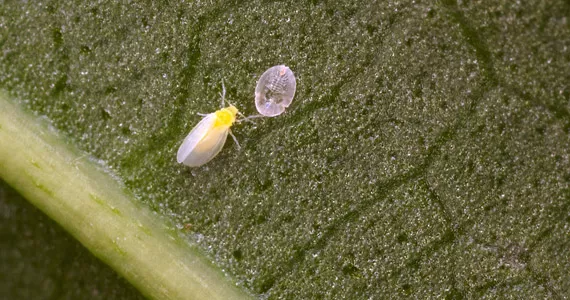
195 135
208 147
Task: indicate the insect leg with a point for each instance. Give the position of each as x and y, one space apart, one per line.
235 140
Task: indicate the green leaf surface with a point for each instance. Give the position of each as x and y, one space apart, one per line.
41 261
97 210
426 152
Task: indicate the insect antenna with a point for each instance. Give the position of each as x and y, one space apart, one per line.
223 94
248 118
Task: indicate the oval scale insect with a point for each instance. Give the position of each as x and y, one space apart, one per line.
275 90
206 140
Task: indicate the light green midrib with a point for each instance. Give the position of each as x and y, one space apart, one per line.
91 206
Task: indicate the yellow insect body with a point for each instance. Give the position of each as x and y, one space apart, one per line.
206 140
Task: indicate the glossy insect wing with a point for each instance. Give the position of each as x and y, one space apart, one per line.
275 90
206 140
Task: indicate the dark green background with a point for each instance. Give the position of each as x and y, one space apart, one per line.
426 152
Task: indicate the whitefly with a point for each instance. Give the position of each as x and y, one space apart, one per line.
275 90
